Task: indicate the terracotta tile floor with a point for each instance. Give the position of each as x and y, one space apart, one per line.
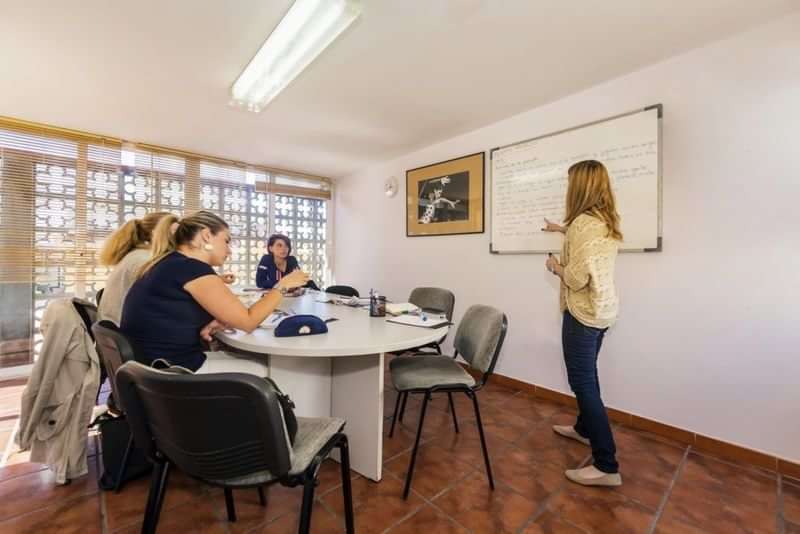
668 487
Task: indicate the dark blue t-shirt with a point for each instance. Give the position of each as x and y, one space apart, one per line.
268 274
161 318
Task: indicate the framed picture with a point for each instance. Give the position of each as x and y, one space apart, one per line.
446 198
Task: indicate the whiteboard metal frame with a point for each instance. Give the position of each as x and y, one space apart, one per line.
659 242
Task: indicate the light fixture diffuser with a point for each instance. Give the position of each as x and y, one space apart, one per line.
304 32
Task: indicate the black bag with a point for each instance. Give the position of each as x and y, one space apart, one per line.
287 406
114 436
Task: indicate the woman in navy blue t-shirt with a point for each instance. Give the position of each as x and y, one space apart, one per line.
277 263
179 300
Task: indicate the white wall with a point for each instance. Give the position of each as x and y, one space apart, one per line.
708 337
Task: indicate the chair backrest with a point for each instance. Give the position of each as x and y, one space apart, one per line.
480 337
214 427
434 298
113 348
345 291
98 296
88 313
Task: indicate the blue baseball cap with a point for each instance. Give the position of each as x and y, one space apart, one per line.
300 325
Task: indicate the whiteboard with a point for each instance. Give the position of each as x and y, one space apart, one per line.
529 182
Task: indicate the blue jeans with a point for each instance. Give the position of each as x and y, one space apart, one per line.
581 347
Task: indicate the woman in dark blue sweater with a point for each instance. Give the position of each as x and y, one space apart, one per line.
278 263
179 299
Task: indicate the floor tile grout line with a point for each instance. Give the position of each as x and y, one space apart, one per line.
422 441
448 516
101 494
668 492
543 508
429 502
267 523
453 484
410 514
780 519
328 508
540 510
570 523
103 513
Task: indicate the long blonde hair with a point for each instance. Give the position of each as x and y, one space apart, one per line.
589 191
135 233
173 232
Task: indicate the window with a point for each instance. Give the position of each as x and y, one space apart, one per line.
226 192
305 221
63 193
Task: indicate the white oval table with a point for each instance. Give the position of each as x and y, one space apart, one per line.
340 373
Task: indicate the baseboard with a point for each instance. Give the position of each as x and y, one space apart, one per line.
712 446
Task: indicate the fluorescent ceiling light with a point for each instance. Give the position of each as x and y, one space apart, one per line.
304 32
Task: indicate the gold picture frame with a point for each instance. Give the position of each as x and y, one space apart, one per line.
446 198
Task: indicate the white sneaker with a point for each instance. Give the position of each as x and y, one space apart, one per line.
592 476
569 432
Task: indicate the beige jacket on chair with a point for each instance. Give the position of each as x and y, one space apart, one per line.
58 400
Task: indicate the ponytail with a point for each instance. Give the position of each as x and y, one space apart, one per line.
119 244
133 234
163 242
172 232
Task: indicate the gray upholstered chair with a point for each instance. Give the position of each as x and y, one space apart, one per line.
478 340
432 299
228 430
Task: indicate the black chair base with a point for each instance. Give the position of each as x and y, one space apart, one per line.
308 479
485 315
124 466
402 397
398 411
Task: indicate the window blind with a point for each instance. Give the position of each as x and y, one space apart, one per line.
63 192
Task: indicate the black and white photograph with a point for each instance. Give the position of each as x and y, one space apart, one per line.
444 198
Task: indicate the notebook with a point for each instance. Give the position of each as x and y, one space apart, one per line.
416 320
398 308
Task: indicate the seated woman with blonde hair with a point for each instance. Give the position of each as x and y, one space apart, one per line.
126 250
179 297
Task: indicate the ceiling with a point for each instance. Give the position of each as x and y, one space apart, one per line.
407 74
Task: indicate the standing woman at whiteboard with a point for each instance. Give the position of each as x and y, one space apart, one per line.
589 304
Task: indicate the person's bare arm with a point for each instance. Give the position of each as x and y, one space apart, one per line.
215 297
